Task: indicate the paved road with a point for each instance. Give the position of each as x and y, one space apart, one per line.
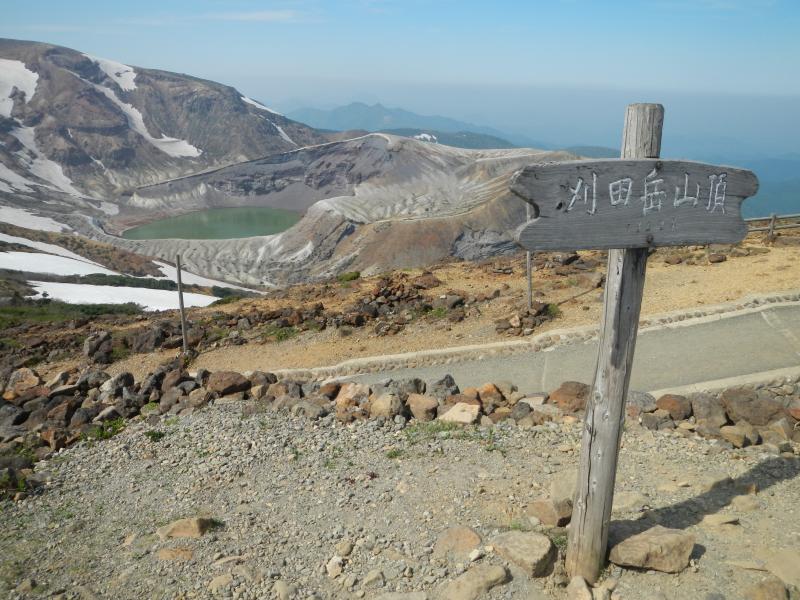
670 357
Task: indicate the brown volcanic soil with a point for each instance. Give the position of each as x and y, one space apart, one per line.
668 288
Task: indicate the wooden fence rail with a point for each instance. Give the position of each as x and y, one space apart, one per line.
773 226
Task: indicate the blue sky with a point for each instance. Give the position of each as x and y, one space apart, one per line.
463 58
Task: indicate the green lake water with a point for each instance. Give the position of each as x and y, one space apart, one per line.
217 224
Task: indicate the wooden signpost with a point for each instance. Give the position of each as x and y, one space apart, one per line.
627 206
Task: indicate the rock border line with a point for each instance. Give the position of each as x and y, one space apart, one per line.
538 343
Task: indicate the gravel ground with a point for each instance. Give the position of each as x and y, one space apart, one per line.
287 494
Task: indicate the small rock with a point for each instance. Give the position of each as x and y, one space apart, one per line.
220 582
374 579
475 582
423 407
185 528
571 396
531 551
458 541
344 548
334 567
463 413
658 548
551 512
578 589
718 520
767 589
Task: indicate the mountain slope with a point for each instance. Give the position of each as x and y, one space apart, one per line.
372 203
78 125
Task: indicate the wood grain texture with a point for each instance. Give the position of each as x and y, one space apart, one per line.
605 413
605 410
613 203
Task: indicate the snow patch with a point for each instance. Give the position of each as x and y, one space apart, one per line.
35 262
171 146
14 74
427 137
123 75
109 208
78 293
44 247
23 218
259 105
171 272
283 133
13 180
301 254
41 166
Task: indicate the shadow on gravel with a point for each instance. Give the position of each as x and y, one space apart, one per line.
690 512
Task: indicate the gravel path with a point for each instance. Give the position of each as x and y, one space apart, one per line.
287 495
666 357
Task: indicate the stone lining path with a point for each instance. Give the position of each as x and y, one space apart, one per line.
729 346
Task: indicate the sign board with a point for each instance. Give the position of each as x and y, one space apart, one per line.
614 203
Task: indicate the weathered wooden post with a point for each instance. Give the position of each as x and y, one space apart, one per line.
626 206
183 310
605 412
773 218
529 264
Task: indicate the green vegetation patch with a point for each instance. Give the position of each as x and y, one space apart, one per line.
53 311
349 276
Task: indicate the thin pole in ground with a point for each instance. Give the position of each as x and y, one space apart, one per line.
182 309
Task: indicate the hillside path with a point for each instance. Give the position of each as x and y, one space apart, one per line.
726 347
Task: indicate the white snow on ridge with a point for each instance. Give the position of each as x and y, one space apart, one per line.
78 293
259 105
45 247
426 137
124 75
14 74
35 262
23 218
41 166
168 145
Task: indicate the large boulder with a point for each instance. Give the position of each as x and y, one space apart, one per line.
745 405
422 407
708 411
352 402
21 381
442 388
657 548
462 413
571 396
678 407
227 382
97 348
386 405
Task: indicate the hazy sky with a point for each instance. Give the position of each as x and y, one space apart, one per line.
559 70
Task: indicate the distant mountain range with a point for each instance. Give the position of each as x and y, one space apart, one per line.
376 117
